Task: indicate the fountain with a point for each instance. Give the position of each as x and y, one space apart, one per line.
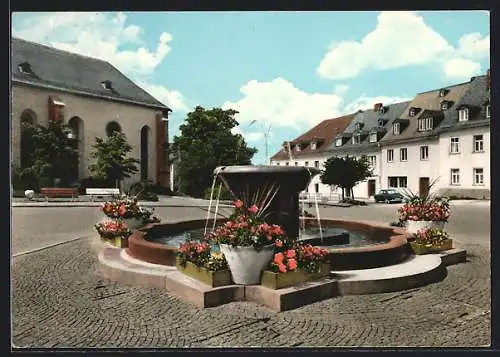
351 244
374 259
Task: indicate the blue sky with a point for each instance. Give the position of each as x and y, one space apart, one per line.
287 70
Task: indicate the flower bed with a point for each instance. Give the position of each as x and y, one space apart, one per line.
196 260
278 280
208 277
114 232
431 241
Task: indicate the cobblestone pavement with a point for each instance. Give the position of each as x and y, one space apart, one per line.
60 300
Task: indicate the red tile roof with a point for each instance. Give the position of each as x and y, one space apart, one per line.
326 131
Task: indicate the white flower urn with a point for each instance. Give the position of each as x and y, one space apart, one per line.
413 227
247 263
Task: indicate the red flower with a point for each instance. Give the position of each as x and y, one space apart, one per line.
292 264
282 268
290 253
122 210
253 209
278 258
238 203
278 243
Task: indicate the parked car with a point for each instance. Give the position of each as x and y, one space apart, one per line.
388 196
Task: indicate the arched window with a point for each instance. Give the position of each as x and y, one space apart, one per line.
27 117
77 133
145 133
112 127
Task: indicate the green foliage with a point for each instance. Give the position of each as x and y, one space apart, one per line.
225 194
47 154
346 172
111 160
143 190
206 142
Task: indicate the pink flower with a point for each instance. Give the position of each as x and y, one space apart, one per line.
253 209
238 203
278 243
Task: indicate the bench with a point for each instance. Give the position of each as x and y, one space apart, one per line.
59 192
99 192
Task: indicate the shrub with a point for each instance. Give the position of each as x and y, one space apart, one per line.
143 190
225 194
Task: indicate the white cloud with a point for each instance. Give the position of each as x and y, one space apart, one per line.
473 45
461 69
283 105
341 89
103 35
400 38
254 136
172 98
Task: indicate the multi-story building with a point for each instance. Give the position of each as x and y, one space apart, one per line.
411 152
442 137
464 142
310 150
94 99
361 138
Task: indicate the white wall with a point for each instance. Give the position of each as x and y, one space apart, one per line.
360 190
466 160
414 167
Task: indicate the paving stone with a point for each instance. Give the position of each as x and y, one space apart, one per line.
60 299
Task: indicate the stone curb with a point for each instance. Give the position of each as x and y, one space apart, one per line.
131 271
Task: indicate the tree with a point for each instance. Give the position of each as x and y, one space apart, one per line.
48 154
346 172
111 161
206 142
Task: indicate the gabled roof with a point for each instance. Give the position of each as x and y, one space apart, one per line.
476 97
71 72
370 120
427 101
326 130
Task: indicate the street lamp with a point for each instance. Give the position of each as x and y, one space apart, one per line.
267 131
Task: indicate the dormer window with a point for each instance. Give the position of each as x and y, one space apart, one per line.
396 128
463 114
297 148
425 124
25 67
358 126
338 142
107 84
381 122
356 139
373 137
412 112
313 145
444 105
443 92
488 111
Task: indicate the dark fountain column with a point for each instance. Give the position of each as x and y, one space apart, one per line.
284 209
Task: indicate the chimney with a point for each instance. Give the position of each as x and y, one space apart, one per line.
377 107
488 79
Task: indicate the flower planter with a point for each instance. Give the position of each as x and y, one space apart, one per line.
413 227
133 223
118 242
275 281
247 263
420 249
211 278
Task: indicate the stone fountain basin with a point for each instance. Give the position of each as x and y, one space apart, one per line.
390 244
